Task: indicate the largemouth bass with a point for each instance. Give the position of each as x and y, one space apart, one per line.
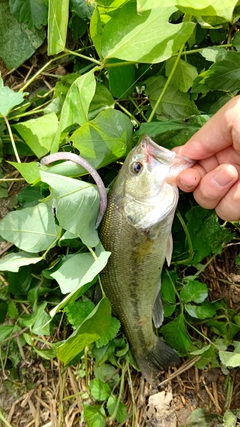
136 229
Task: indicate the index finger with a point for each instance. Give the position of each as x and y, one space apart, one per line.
222 130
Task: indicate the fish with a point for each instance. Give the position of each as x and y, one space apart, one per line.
136 229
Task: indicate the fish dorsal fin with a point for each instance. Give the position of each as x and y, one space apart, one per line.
169 249
158 311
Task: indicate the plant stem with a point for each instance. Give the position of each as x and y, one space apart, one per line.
166 85
190 245
192 51
41 70
88 58
12 139
134 409
127 113
6 423
113 416
53 244
202 335
12 179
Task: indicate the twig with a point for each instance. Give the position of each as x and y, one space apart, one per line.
185 367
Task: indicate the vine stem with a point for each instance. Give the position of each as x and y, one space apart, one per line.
190 245
202 335
89 58
166 84
12 139
180 53
113 416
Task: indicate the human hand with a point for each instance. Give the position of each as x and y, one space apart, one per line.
215 178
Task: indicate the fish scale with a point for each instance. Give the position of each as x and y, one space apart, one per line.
137 232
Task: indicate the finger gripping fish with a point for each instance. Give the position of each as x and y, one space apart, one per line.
136 229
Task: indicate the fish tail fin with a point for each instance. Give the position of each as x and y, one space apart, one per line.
157 359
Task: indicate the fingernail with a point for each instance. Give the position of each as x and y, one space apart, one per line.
223 177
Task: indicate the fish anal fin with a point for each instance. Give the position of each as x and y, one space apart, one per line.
169 249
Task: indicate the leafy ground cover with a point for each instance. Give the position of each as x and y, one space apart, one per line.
91 78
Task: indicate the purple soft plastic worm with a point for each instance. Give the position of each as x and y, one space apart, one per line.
84 163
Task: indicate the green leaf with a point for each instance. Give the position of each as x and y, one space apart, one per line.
29 171
102 257
174 104
210 53
16 38
9 99
230 359
41 325
77 205
229 419
104 371
175 333
57 25
99 390
39 133
94 326
32 12
102 100
104 139
121 413
78 270
122 79
47 354
111 332
13 312
206 234
7 330
82 8
209 358
204 8
37 320
183 76
31 229
236 41
227 329
201 351
199 417
13 261
95 415
146 37
203 311
78 311
194 291
224 74
172 133
143 5
76 105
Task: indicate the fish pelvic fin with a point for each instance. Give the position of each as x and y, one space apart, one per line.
160 357
158 311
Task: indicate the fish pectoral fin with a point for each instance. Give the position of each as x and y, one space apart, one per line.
169 249
158 311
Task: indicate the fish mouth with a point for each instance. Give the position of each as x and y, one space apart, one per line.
176 162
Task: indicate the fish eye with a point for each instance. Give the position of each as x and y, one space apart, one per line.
136 167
